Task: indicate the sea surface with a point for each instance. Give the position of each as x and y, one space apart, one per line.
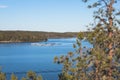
19 58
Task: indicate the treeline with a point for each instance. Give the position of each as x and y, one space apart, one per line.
21 36
31 36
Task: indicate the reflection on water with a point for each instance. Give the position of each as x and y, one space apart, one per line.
22 57
44 44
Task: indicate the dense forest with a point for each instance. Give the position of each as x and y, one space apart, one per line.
31 36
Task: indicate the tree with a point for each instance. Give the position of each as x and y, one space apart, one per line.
29 76
2 76
39 78
102 62
23 78
13 77
32 76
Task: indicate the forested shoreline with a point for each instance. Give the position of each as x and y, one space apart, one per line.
32 36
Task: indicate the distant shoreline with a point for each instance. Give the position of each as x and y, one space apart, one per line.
32 36
10 41
32 41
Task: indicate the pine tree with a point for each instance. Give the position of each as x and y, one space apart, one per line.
2 76
102 62
13 77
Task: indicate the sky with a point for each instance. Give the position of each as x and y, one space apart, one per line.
44 15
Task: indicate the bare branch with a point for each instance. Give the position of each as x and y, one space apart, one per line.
105 2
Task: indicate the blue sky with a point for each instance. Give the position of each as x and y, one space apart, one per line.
44 15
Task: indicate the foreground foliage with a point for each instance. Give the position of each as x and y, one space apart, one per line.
30 76
102 62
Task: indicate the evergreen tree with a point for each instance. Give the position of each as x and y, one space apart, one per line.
32 76
2 76
102 62
23 78
13 77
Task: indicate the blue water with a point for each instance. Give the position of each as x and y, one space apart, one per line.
23 57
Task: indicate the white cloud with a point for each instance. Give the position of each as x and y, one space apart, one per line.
3 6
